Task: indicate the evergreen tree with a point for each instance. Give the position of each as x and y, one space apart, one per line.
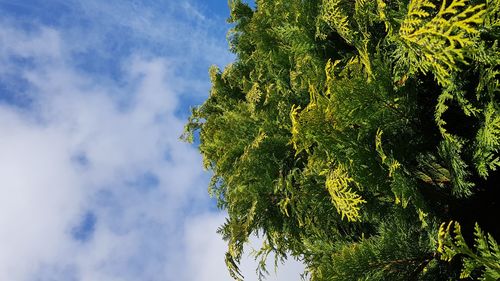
347 131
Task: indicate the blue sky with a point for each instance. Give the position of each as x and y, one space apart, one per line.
94 183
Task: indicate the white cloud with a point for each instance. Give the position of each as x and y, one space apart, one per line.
39 195
206 254
85 144
45 191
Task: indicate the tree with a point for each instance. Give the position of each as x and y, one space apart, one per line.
346 132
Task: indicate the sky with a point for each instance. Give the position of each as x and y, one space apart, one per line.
94 182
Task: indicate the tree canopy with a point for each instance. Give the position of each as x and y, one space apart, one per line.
361 137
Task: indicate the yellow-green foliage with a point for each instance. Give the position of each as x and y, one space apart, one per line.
391 163
437 38
339 185
334 14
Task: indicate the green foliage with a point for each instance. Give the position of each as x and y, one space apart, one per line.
488 142
346 131
398 252
450 149
485 258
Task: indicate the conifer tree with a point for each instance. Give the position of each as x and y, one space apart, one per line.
360 137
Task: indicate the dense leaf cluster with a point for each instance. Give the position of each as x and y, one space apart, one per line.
347 131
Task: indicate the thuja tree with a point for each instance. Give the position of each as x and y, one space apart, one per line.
361 137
